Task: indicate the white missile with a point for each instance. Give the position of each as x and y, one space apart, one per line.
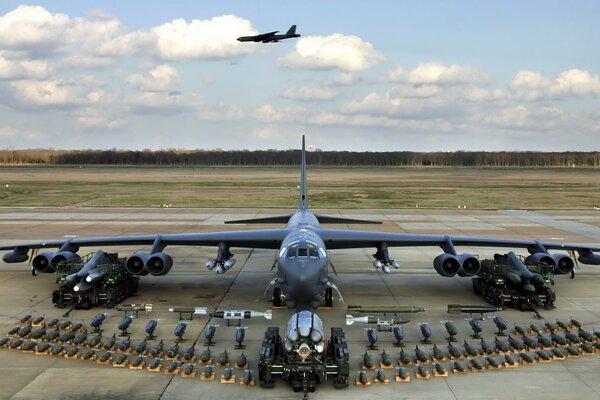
241 314
375 320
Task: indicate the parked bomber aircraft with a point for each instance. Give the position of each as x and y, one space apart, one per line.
302 278
271 37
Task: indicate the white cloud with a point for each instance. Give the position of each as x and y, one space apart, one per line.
337 51
309 94
23 69
522 118
221 112
47 94
94 117
341 79
161 103
389 105
575 82
531 85
268 113
32 28
161 78
439 74
203 39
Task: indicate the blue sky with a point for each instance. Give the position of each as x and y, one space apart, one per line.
379 75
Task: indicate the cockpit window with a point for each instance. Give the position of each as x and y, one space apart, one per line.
303 251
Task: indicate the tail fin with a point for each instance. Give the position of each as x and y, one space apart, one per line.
303 195
291 31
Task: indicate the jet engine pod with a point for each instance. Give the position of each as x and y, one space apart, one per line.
563 263
585 257
470 265
64 256
17 256
159 264
541 258
43 262
136 264
446 265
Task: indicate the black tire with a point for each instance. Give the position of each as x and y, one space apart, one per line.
277 297
328 297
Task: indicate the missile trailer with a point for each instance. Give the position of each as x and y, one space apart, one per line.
498 284
304 359
116 285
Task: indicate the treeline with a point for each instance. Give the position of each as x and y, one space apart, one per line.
172 157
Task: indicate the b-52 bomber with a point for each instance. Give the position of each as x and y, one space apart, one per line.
302 279
271 37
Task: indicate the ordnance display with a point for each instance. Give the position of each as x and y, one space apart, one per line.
96 279
507 280
304 357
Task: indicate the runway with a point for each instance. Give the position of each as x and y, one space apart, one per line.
26 376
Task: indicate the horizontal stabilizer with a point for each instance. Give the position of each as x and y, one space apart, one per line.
325 219
278 219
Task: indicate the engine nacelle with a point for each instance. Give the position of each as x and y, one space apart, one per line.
43 263
16 256
540 258
446 265
66 257
585 257
159 264
136 264
470 265
563 264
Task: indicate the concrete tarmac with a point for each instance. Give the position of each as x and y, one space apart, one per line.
29 376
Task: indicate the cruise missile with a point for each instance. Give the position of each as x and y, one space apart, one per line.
134 307
384 310
472 308
191 311
381 322
241 314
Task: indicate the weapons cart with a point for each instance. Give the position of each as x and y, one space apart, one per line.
116 286
493 283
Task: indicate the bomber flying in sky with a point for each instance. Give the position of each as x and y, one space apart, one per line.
302 279
271 37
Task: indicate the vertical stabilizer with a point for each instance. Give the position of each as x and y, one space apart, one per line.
291 31
303 195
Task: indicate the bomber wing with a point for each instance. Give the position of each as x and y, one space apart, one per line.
347 239
263 239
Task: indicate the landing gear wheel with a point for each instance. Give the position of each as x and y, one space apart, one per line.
277 297
329 297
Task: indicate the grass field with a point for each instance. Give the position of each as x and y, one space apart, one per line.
277 187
